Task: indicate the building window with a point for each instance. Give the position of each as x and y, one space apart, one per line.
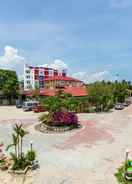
28 87
37 85
55 73
61 82
28 76
41 84
50 73
28 82
27 71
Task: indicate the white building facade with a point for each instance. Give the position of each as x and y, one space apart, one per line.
34 77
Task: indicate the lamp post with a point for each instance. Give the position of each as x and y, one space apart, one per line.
31 149
127 152
31 145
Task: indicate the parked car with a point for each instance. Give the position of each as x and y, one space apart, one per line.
119 106
29 105
127 103
18 104
38 108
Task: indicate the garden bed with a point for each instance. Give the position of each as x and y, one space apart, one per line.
55 129
20 172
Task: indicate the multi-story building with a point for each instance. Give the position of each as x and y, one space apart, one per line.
62 82
49 80
35 77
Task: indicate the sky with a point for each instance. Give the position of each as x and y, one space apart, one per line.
92 39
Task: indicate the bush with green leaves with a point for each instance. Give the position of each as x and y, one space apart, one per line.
104 94
60 118
2 162
19 163
9 85
120 175
31 155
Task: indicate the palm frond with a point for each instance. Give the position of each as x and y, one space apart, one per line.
9 146
13 156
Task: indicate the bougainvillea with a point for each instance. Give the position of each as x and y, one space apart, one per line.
61 118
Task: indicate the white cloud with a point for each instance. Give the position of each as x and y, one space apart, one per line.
121 3
88 78
10 58
57 64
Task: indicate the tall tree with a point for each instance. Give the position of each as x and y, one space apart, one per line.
9 84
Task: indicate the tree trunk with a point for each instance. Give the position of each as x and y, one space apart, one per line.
21 146
18 147
16 150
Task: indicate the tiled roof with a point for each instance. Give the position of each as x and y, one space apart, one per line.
75 91
47 92
64 78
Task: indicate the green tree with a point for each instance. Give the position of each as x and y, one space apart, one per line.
52 104
9 84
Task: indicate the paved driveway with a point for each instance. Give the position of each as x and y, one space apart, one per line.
86 156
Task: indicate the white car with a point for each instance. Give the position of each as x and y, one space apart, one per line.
29 105
119 106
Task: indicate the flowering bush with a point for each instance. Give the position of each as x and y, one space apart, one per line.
61 118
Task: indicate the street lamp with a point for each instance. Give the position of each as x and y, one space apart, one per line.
127 152
31 145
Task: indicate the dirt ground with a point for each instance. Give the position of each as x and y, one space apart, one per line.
86 156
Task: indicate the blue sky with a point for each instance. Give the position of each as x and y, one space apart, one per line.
91 37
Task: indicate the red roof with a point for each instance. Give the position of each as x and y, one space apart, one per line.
64 78
75 91
47 92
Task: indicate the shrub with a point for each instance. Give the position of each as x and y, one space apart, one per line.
91 109
31 155
61 118
19 163
120 175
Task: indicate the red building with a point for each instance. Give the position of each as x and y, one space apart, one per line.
49 80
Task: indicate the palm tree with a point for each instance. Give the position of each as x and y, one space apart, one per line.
17 130
22 133
15 142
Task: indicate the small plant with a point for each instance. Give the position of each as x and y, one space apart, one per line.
2 162
120 175
19 163
20 160
31 155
